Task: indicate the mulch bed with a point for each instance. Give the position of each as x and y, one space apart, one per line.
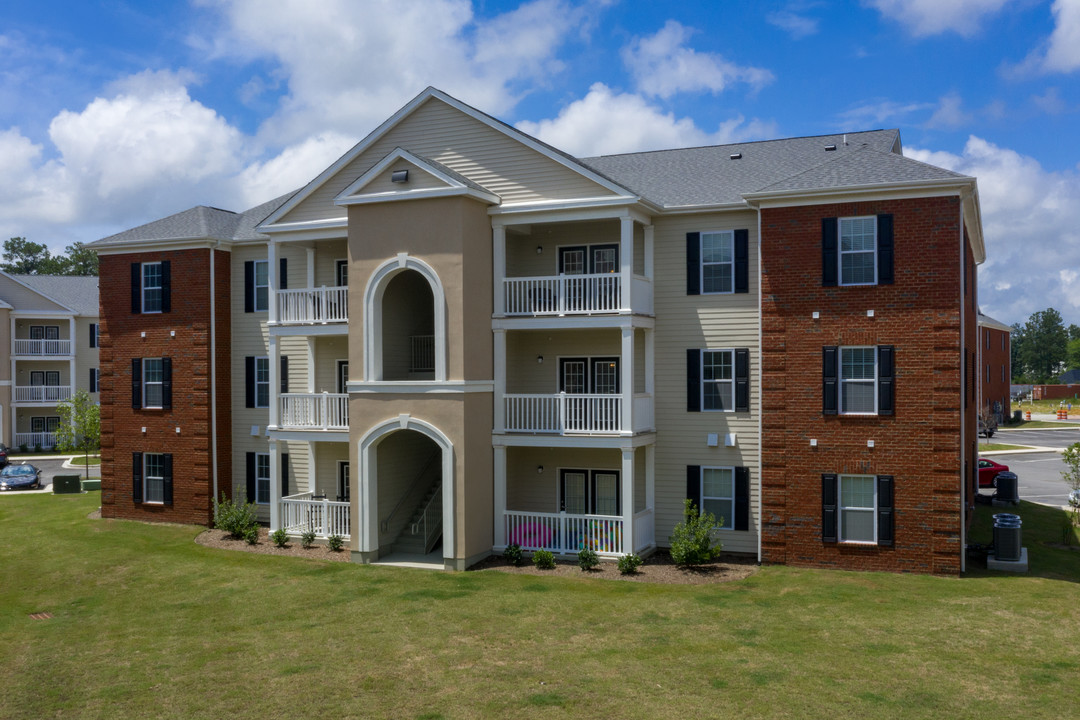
658 568
223 541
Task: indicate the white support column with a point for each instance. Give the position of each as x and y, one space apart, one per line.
500 496
626 256
627 479
650 361
311 267
275 486
271 278
310 364
71 362
275 380
626 381
313 474
498 266
649 252
650 479
500 381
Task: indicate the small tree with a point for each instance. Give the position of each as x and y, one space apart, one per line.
80 426
692 540
1071 474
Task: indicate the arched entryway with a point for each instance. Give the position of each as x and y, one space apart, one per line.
406 484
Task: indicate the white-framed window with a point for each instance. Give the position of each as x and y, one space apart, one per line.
858 380
589 492
152 286
262 285
718 494
153 478
47 423
858 251
718 380
262 478
153 377
858 508
262 382
717 262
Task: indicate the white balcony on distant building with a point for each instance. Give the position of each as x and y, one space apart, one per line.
306 306
313 411
42 348
42 393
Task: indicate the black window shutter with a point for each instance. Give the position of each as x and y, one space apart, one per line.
93 335
885 249
136 288
828 508
250 477
693 380
742 498
283 274
166 485
249 381
136 383
136 477
166 383
830 356
885 516
166 286
829 250
284 373
285 475
742 261
693 485
886 357
693 263
742 380
562 492
249 287
92 388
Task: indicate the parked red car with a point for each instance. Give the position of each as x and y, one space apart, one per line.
988 470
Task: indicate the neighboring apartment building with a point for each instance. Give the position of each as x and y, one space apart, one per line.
552 351
48 350
995 368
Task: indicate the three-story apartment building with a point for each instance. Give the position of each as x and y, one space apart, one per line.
458 338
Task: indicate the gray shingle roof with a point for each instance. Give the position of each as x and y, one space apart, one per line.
80 293
864 166
708 175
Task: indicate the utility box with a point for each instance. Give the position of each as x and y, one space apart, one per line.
66 484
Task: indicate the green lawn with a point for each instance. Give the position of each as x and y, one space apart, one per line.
84 461
1038 425
993 447
149 624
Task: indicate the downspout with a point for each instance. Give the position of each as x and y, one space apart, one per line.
761 391
963 386
213 372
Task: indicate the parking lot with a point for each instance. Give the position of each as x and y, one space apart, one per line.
51 467
1039 473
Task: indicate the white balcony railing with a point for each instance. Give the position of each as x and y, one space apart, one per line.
644 530
25 346
564 413
304 512
564 533
45 440
563 295
314 411
42 393
313 305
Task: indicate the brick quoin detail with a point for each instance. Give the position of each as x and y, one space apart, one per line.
121 340
920 315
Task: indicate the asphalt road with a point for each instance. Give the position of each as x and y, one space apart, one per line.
51 468
1039 473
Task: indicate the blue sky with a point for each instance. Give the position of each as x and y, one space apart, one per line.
116 113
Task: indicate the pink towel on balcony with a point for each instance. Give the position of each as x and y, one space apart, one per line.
531 535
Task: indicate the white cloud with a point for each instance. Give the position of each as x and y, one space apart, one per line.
605 122
931 17
662 66
881 112
291 169
1031 222
1063 53
795 25
1050 102
950 113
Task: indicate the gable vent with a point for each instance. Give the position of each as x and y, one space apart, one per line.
400 176
829 148
736 156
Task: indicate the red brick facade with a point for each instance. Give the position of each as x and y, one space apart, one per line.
920 315
183 335
995 371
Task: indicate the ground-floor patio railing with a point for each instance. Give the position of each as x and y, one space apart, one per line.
564 533
306 512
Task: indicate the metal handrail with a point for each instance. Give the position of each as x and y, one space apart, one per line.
384 526
432 529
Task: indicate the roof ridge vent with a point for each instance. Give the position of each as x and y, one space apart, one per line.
736 156
830 148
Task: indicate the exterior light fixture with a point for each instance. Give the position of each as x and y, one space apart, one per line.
539 469
539 359
539 249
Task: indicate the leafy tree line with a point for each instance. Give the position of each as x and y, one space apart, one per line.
23 257
1043 348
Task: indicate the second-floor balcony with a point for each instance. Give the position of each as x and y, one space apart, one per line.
42 348
573 413
313 305
313 411
42 393
575 295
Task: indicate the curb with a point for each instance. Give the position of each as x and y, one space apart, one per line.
1027 450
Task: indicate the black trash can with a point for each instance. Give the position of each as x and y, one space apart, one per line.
1007 537
1008 487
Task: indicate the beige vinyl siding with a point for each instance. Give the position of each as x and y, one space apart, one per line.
299 479
327 253
711 322
327 455
419 179
86 357
21 297
530 491
23 369
24 323
486 156
5 352
525 375
522 260
328 350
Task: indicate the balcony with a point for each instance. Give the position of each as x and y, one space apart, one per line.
313 411
44 440
567 533
564 414
306 512
42 348
42 393
308 306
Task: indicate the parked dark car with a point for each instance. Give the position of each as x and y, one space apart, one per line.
20 477
987 427
988 470
3 455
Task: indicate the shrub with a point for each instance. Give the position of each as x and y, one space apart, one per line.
280 537
587 559
335 542
37 447
251 535
22 447
513 554
544 560
692 541
628 564
307 539
234 518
